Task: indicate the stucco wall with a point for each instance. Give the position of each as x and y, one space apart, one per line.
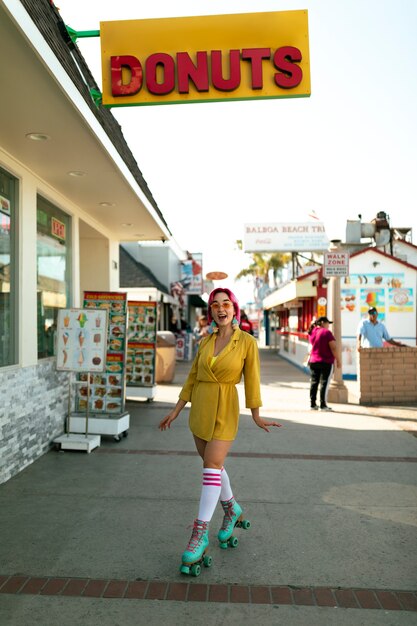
387 376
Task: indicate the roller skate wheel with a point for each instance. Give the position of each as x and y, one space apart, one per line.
233 541
246 524
223 545
195 570
184 569
208 561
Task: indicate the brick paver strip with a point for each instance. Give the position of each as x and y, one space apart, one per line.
115 589
346 598
408 600
75 587
324 597
239 593
14 584
304 597
219 593
260 595
193 591
367 599
177 591
53 587
388 601
267 455
34 585
156 591
197 592
3 580
95 588
137 589
281 595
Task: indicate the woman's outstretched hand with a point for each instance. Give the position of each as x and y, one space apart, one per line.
172 415
264 424
167 421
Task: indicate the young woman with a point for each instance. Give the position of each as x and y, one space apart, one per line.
211 387
323 355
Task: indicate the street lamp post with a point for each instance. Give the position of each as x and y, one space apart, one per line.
338 391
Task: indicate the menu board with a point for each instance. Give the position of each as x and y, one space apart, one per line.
107 390
81 340
140 362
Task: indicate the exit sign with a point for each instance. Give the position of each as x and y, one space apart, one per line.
57 229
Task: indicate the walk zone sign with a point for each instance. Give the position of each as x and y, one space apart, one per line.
336 264
205 59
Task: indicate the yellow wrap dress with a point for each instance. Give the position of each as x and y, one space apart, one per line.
212 389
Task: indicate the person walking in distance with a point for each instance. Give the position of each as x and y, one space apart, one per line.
323 355
222 358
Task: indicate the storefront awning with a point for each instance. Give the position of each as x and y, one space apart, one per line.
292 291
51 124
197 301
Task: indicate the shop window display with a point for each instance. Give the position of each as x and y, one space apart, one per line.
53 272
8 268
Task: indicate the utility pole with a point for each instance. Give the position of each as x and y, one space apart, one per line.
338 391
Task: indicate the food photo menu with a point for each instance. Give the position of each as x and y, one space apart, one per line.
140 362
81 340
107 389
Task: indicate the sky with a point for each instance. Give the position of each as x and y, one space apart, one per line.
349 149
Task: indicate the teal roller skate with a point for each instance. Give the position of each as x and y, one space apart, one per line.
195 553
232 519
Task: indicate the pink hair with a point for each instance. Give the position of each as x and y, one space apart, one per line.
232 299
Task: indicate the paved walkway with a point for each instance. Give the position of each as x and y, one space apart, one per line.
97 539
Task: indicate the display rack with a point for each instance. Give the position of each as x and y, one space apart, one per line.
80 347
71 439
141 350
106 401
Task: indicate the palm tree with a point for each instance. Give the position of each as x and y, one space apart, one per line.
262 264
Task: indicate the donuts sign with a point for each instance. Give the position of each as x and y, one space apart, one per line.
205 59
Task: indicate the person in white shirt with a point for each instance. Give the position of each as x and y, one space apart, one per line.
372 333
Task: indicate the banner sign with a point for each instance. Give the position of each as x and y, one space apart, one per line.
192 274
205 59
285 237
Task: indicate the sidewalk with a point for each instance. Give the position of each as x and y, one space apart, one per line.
332 497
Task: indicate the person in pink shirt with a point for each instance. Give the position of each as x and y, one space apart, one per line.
323 356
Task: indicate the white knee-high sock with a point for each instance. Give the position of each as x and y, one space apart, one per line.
226 492
210 493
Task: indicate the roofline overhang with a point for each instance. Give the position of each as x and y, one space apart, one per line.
53 67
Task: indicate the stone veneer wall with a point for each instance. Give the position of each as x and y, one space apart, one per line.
387 375
33 408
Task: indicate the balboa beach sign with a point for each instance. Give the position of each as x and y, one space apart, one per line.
205 59
285 237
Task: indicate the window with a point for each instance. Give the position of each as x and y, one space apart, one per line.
8 268
53 271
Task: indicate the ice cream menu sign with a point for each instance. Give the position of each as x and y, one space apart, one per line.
81 340
140 362
107 389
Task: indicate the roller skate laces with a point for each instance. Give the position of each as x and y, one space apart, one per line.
195 552
228 513
199 531
232 519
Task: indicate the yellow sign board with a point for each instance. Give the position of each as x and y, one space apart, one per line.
205 59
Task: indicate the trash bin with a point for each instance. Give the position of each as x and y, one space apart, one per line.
165 356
